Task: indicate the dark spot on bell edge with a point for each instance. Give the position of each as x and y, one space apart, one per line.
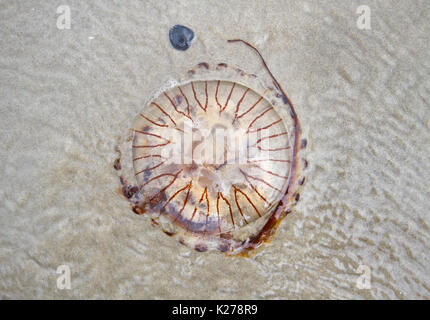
200 247
181 37
117 164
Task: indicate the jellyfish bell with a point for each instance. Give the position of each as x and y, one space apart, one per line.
215 159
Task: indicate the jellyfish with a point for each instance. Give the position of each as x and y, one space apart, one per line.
216 162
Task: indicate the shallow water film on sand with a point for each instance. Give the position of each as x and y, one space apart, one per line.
74 75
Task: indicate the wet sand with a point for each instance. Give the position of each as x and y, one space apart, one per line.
67 97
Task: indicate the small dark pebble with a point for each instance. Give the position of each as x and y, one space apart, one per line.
181 37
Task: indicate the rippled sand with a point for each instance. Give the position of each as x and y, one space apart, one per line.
67 97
